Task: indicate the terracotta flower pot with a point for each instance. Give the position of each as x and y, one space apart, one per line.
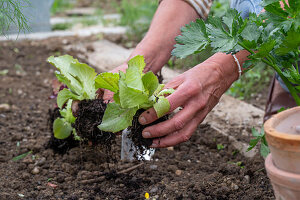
285 184
283 137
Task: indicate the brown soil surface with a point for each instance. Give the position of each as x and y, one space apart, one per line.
193 170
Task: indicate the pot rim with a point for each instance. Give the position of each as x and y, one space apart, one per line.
281 177
279 139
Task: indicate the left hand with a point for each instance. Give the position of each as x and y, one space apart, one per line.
197 91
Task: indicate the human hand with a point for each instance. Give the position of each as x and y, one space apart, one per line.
197 91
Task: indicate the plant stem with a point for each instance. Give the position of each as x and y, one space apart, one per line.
285 80
269 61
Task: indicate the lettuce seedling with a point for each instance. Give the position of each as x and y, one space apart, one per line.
272 38
133 90
62 126
78 77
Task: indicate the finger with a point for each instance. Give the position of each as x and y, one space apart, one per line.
75 108
177 99
108 95
177 137
177 123
180 136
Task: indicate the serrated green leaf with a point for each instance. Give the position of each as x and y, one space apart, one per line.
107 80
150 82
193 39
61 128
264 150
253 143
116 118
290 43
251 33
265 49
64 95
137 61
162 106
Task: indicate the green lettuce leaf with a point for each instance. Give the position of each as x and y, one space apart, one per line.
79 77
117 118
107 80
162 106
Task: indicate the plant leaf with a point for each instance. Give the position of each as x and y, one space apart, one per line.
64 95
137 61
193 39
107 80
61 128
129 97
162 106
150 82
116 118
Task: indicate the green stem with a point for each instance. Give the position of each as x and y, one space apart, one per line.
285 80
269 61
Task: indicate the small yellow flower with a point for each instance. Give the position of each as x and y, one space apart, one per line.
147 196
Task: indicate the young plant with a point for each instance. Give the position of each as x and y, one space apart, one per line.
62 126
272 38
133 90
11 13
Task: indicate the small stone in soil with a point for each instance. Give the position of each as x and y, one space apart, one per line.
247 178
35 170
4 107
153 167
178 172
154 190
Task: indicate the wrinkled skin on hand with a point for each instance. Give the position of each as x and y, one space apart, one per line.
197 91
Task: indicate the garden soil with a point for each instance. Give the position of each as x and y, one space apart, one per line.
206 167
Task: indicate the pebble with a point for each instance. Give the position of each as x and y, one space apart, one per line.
154 190
41 161
153 167
247 178
298 129
178 172
35 170
234 186
4 107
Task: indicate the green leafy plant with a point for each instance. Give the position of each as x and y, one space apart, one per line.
272 38
133 90
62 126
259 137
11 13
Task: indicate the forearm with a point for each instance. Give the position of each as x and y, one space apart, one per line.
158 43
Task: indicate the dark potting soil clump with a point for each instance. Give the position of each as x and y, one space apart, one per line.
89 116
141 144
58 145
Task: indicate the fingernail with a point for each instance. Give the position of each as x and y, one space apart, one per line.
146 134
142 120
153 145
